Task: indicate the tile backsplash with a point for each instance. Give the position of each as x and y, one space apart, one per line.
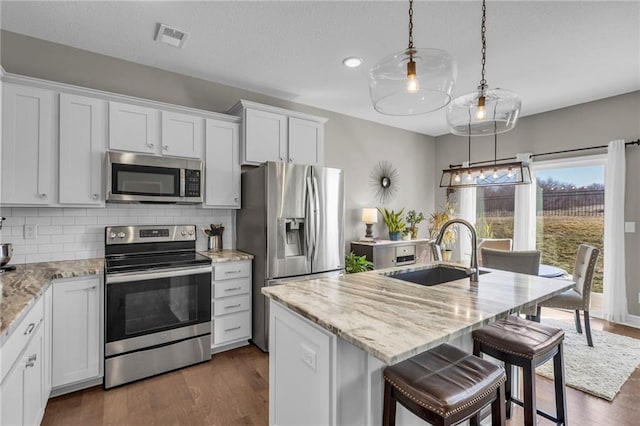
78 233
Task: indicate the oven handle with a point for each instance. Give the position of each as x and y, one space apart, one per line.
147 275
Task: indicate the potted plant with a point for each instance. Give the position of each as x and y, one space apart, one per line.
406 234
354 263
394 222
436 220
413 219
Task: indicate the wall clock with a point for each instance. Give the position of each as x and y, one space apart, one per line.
384 179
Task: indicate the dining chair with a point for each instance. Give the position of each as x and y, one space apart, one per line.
523 262
493 243
578 298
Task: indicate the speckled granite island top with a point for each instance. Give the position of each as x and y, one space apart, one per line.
393 320
226 255
22 287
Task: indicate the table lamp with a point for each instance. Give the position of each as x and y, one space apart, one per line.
369 217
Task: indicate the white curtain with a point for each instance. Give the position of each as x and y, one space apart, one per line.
524 222
466 211
615 292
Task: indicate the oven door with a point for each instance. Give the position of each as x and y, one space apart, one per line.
146 309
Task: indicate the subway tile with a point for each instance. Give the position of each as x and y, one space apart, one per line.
41 257
5 211
37 220
128 220
86 220
107 220
42 239
13 220
18 259
24 211
17 231
63 220
64 255
72 211
63 238
48 248
73 229
113 211
50 230
50 211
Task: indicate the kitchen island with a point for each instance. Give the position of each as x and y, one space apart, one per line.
331 338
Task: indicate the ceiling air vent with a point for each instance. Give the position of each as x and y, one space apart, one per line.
171 36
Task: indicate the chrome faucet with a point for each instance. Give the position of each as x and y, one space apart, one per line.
437 250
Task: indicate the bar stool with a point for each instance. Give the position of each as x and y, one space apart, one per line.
444 386
525 344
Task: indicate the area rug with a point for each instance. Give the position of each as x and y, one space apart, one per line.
600 370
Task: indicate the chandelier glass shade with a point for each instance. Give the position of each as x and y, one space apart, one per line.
413 81
485 111
516 173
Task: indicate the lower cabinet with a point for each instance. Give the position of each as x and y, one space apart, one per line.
77 331
24 392
231 305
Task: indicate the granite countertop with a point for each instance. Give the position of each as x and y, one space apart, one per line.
21 288
226 255
393 320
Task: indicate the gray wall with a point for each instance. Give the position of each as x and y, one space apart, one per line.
351 144
591 124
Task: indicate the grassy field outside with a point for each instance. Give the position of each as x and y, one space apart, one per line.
558 239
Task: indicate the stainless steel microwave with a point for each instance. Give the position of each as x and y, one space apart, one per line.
146 178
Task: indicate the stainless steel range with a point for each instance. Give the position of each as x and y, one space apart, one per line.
157 301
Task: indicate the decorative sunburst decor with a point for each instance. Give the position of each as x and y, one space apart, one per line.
384 179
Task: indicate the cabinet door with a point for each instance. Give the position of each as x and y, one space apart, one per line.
33 378
182 135
76 331
133 128
222 172
12 396
306 142
265 137
82 144
27 139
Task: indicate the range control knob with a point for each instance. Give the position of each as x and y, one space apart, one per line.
190 231
183 233
112 235
121 235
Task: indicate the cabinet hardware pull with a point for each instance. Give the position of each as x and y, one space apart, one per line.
149 144
43 196
29 364
93 287
232 328
233 306
233 272
95 196
29 329
165 147
32 358
235 199
232 289
291 159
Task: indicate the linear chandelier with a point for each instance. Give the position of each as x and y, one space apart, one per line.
486 173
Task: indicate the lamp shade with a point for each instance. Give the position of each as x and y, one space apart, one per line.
397 87
470 115
370 215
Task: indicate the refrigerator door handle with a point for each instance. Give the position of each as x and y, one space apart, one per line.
316 218
309 232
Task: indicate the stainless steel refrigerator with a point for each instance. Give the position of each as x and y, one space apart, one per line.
292 221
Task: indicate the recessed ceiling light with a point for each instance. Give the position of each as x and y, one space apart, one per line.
352 62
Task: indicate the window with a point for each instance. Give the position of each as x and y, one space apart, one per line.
495 211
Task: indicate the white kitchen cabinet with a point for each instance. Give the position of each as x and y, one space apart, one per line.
82 146
182 135
133 128
27 145
23 392
231 305
77 331
275 134
222 165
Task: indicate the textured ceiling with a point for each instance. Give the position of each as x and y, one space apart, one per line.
553 54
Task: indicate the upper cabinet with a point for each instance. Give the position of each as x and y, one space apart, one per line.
275 134
27 145
150 131
82 146
222 167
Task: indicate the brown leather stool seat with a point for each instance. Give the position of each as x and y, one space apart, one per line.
526 344
444 386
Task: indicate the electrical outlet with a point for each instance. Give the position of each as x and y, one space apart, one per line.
30 232
308 356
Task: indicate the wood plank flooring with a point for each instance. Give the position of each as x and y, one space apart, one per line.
233 389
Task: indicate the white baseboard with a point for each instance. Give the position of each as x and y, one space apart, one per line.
633 320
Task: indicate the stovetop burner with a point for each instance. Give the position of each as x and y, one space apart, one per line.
148 262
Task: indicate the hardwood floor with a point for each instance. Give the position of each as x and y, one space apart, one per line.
233 389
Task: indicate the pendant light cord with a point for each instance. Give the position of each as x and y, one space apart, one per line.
483 31
410 24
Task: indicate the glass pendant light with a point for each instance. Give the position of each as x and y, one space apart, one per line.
413 81
485 111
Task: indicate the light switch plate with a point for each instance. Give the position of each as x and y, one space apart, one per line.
630 227
30 232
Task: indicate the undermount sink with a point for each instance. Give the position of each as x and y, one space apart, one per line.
433 276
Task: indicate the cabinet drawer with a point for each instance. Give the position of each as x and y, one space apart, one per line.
231 327
230 270
231 287
229 305
20 337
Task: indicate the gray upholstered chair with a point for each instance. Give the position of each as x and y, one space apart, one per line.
578 298
523 262
493 243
